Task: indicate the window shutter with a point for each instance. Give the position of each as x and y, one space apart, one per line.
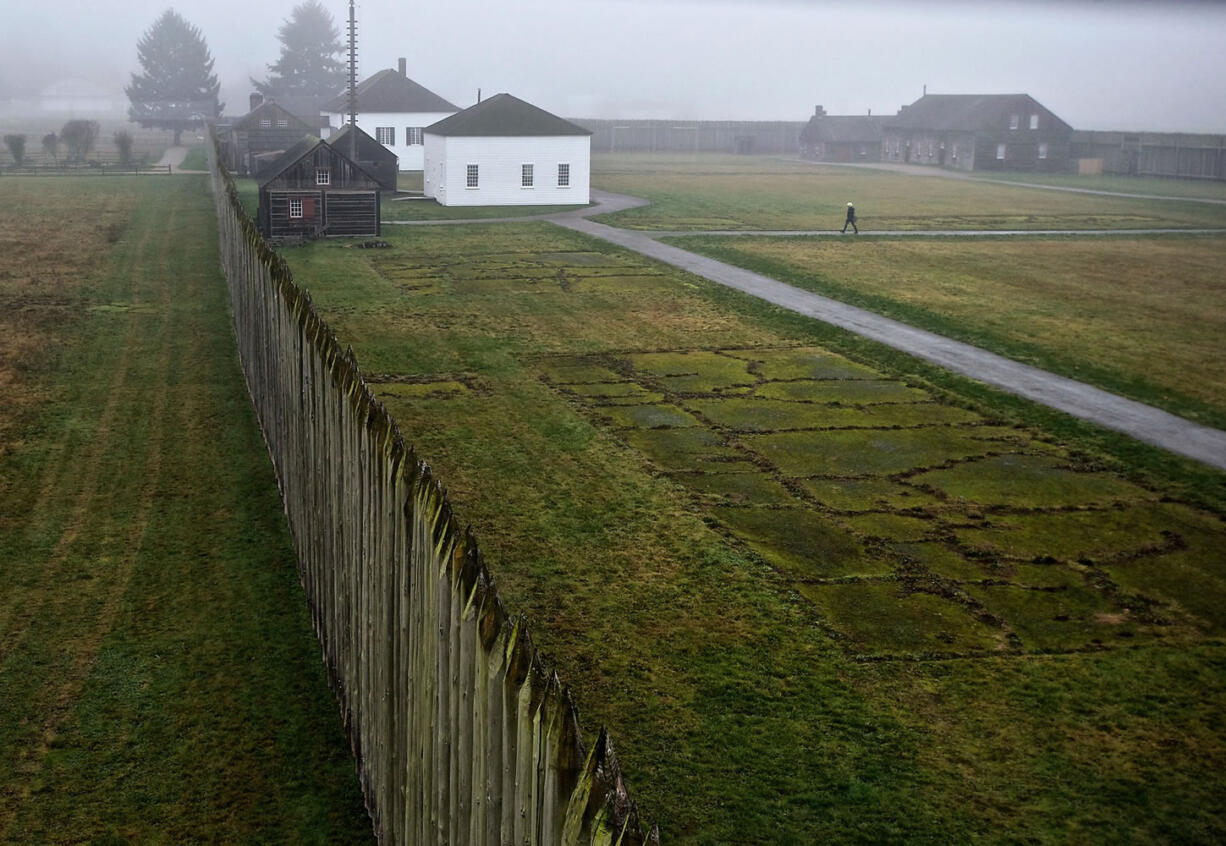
308 207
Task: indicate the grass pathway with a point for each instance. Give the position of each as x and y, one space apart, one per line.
159 680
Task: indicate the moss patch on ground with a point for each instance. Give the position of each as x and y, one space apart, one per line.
782 628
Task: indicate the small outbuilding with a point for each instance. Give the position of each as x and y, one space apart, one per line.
314 191
506 152
842 138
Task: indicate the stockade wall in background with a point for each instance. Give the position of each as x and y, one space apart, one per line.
460 732
693 136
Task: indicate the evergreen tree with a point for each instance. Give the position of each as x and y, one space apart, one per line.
178 89
309 64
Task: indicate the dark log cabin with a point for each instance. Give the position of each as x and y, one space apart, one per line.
314 191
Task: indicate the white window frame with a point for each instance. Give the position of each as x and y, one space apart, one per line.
1034 121
386 135
295 208
323 176
282 123
1014 121
265 123
563 174
1001 149
527 175
1042 149
413 136
472 177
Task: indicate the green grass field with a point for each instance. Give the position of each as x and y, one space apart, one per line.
697 193
819 591
1142 317
1152 185
159 679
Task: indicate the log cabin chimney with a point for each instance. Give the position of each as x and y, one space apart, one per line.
403 65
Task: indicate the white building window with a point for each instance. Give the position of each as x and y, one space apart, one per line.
564 176
412 135
1034 121
1042 149
295 209
1000 152
526 176
265 123
385 135
323 176
472 176
1014 121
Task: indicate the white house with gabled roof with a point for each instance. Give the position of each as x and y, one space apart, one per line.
505 152
394 110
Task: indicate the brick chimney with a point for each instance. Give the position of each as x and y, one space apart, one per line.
818 111
403 65
257 100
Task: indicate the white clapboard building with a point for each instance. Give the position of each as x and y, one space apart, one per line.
394 110
505 152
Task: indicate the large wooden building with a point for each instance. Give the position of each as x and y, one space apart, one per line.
978 132
260 136
314 191
394 110
506 152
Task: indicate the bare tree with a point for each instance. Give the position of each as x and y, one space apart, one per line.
51 146
17 147
123 143
79 137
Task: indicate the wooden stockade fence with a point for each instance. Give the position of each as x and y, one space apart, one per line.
461 733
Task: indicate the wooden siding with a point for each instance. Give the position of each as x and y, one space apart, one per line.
690 136
351 213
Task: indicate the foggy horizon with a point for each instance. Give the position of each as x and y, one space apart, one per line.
1101 65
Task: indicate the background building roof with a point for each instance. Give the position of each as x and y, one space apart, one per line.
965 112
504 115
390 91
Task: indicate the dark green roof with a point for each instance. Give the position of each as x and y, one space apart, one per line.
284 161
504 115
368 148
273 112
388 91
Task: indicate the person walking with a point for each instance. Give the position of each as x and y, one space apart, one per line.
851 219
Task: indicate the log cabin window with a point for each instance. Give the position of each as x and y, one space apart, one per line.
412 135
295 209
282 123
323 176
1034 121
526 176
265 123
385 135
1042 149
1000 152
1014 121
564 176
472 176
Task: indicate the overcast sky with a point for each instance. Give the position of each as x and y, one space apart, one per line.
1098 65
